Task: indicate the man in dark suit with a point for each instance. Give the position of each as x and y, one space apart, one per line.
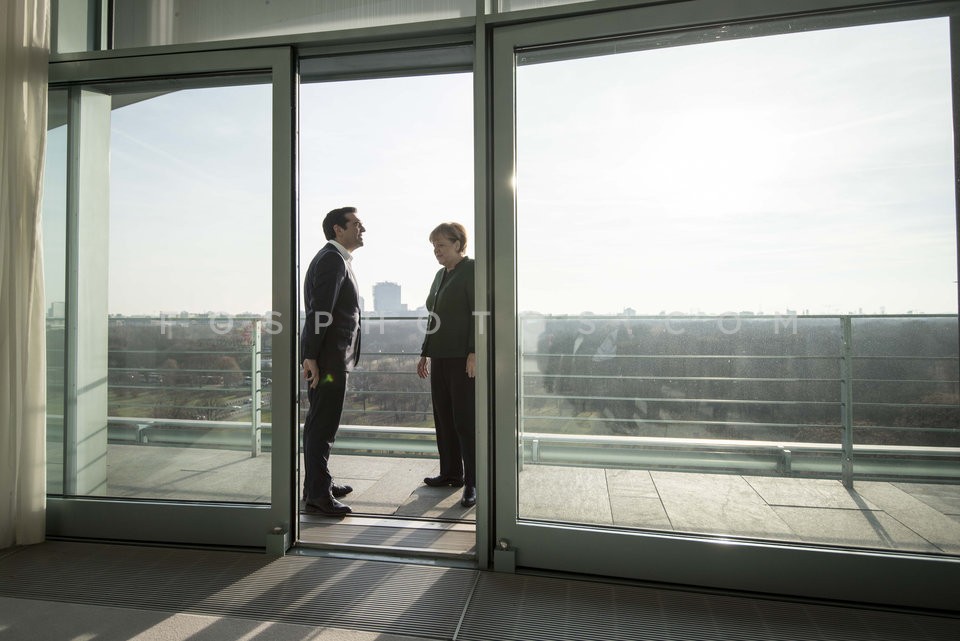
329 349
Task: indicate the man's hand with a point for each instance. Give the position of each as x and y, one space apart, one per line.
422 369
472 365
311 372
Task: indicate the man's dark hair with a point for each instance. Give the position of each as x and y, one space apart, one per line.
336 217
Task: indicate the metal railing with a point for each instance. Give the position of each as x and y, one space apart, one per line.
806 400
792 395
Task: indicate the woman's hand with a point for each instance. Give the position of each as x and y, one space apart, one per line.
422 369
472 365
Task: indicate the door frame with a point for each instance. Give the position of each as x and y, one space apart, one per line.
457 51
246 525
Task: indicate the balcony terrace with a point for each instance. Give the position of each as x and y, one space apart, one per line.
838 431
394 511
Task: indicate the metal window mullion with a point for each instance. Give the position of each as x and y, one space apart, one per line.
485 344
69 468
285 451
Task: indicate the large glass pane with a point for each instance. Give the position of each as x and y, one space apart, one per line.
904 394
737 266
54 221
401 151
173 256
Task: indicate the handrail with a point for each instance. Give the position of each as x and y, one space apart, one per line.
756 404
763 457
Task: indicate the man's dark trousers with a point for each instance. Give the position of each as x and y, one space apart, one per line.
320 430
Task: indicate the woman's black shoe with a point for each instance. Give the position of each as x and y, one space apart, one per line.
442 481
469 496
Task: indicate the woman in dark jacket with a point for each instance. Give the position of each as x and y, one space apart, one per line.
449 346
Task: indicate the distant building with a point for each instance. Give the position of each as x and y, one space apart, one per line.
386 298
57 310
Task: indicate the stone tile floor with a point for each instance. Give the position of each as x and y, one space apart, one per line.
894 516
914 517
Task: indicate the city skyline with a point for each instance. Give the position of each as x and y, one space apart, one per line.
56 309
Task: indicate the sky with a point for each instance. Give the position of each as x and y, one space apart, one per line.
401 151
190 189
809 172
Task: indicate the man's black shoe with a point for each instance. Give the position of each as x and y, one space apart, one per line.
340 491
331 507
443 481
469 496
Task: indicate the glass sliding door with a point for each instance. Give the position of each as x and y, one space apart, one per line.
174 316
732 305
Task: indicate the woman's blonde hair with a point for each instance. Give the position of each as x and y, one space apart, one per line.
452 232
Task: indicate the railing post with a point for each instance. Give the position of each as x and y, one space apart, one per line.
255 401
846 402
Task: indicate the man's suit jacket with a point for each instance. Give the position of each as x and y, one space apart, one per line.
331 331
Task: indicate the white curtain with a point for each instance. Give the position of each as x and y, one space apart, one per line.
24 51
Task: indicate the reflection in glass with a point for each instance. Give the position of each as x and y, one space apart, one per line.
736 271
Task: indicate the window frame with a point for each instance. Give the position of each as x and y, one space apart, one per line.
246 525
805 571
